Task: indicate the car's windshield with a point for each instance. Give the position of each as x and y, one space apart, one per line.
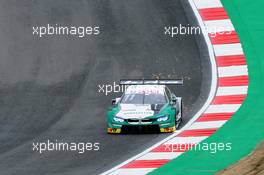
142 98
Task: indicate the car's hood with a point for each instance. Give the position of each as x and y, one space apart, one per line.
128 111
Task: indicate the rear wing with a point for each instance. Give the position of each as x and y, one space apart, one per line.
151 82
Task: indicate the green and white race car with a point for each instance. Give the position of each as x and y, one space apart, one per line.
145 103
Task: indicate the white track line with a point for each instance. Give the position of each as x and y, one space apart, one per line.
132 171
219 25
183 140
232 71
228 49
208 125
222 108
231 90
201 4
160 155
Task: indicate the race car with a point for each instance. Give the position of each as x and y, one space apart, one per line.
145 103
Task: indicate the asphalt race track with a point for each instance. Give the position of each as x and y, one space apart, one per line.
49 85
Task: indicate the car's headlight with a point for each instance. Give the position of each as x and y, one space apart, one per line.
117 119
162 119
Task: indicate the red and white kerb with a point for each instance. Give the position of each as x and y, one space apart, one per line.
231 91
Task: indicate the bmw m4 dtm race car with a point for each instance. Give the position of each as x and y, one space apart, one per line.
146 103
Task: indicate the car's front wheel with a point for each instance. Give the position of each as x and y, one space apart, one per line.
178 117
178 122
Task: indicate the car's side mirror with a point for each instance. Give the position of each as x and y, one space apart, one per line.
173 100
113 102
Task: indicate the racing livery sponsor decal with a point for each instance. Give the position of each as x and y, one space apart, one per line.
135 111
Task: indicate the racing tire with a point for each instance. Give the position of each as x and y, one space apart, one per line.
178 117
